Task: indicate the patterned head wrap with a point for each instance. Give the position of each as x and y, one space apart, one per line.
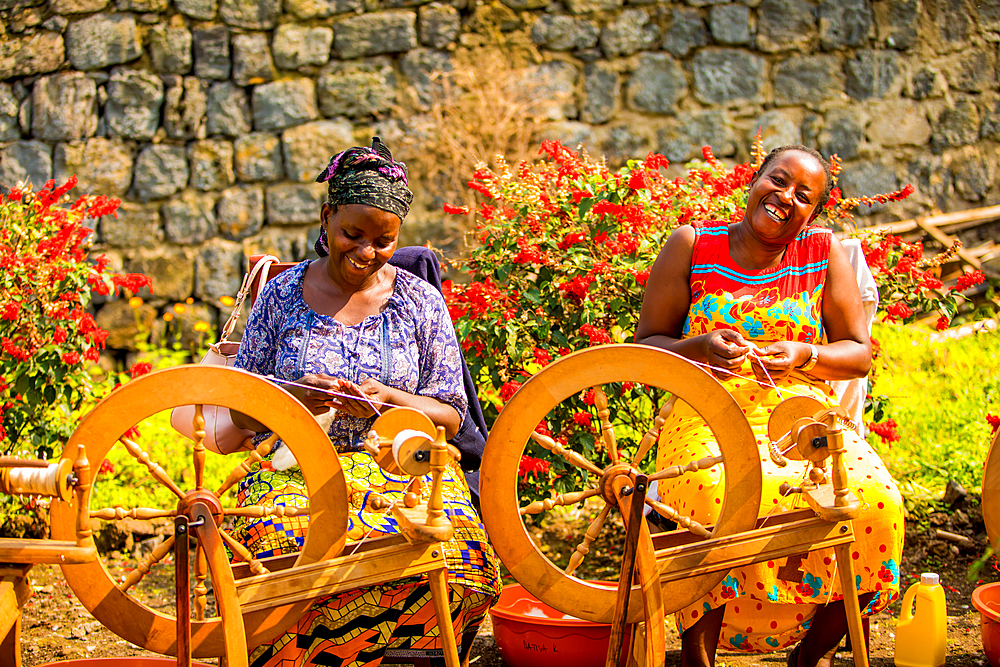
366 176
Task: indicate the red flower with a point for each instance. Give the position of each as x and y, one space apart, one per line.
597 336
577 287
92 354
579 195
641 277
638 181
967 280
11 311
835 196
481 189
59 335
885 430
139 369
604 207
588 396
930 282
582 418
655 161
508 390
942 323
571 240
994 422
529 465
456 210
71 358
541 356
627 244
106 467
898 311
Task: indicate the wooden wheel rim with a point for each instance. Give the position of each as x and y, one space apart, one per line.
557 382
991 491
205 385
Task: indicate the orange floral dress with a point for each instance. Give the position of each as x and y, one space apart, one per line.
769 606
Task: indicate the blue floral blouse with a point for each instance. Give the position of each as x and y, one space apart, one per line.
410 345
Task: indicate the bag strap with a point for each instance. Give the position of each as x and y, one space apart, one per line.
259 269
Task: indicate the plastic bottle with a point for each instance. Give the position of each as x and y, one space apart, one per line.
922 635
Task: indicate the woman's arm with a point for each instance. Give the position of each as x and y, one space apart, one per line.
665 306
441 413
848 352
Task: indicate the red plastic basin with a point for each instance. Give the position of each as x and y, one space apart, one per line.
121 662
987 600
530 633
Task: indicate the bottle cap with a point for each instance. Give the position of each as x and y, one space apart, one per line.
930 579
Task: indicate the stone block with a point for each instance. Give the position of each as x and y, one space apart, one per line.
808 80
120 321
189 218
211 52
872 74
687 31
184 108
211 164
228 110
77 6
252 62
172 271
842 134
218 270
134 101
160 171
972 71
24 113
10 129
569 133
38 53
955 126
318 9
601 91
29 161
777 128
729 76
932 179
785 25
713 3
170 49
682 139
589 6
973 174
619 142
559 32
292 204
250 14
143 6
954 22
631 32
990 127
868 179
357 89
307 148
285 103
899 123
291 244
926 83
203 10
240 211
730 24
137 226
103 166
258 157
374 34
298 46
844 23
657 84
425 70
438 25
553 86
64 107
102 40
898 23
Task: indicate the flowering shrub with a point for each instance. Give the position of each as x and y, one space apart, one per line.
46 333
560 259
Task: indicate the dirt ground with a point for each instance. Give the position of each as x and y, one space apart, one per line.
56 627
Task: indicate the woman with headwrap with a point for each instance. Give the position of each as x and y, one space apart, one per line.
352 323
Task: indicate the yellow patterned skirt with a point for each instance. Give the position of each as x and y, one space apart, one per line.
356 628
770 605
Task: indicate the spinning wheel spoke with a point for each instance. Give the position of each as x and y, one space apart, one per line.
560 499
199 448
653 434
200 587
573 458
583 548
607 430
118 513
261 511
154 468
672 514
243 553
243 469
701 464
142 569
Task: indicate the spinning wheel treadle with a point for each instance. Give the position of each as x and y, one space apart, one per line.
203 385
571 375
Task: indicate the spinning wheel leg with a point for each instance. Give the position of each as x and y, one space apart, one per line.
439 594
852 608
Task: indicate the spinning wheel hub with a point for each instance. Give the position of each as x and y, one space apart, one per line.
185 504
607 483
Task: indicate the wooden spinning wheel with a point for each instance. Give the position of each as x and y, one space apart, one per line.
567 377
101 429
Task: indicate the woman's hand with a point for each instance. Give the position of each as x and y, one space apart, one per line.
370 392
317 402
725 348
779 359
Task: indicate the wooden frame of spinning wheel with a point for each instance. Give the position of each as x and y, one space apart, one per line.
683 564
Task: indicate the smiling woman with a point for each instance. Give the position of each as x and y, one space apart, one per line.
771 304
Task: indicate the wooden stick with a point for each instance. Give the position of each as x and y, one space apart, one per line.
118 513
947 241
653 434
631 508
573 458
673 515
676 471
974 215
256 455
200 588
199 447
583 548
539 506
182 594
607 430
142 569
261 511
154 468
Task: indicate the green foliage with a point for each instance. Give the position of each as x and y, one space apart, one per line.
940 391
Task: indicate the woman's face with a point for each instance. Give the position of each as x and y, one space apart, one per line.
361 238
781 201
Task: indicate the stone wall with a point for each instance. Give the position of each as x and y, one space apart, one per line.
209 118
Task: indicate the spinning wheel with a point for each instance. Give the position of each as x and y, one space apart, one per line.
111 603
571 375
